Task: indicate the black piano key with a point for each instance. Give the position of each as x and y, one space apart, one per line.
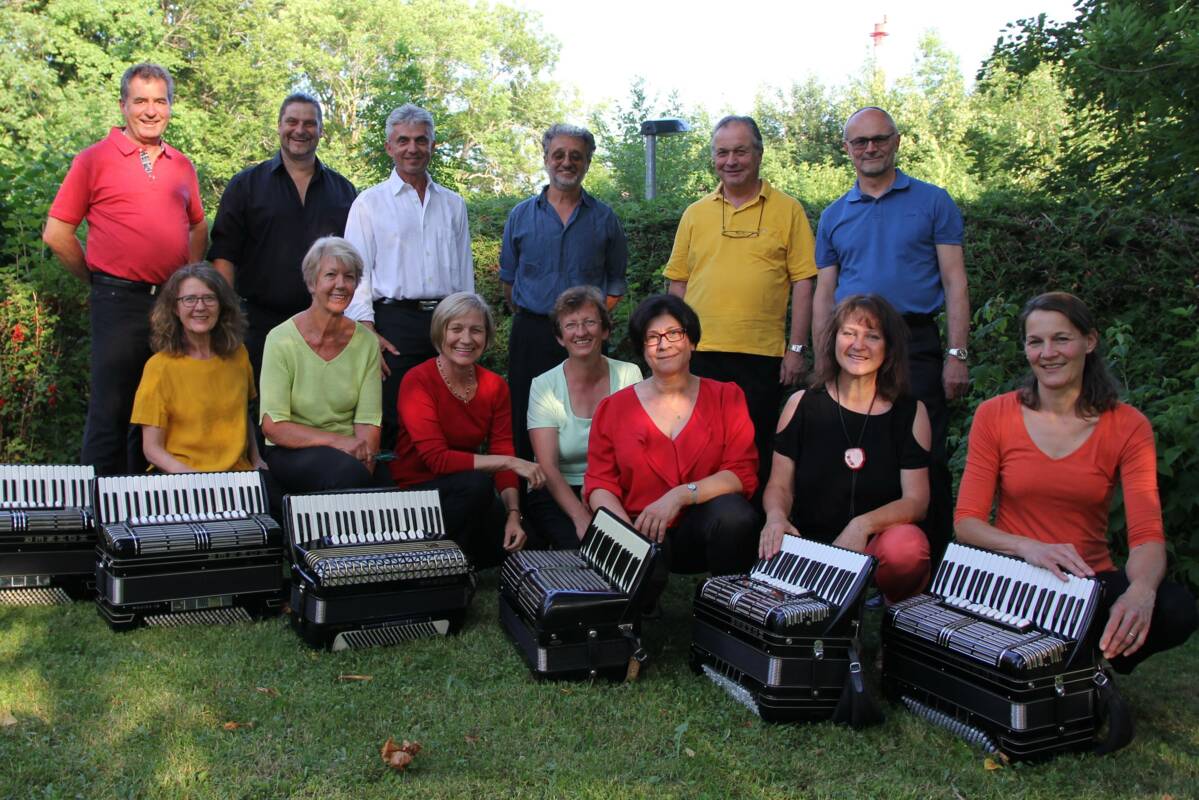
795 567
825 580
1059 609
971 584
1074 617
840 583
784 567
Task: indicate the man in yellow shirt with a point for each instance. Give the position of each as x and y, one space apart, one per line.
739 253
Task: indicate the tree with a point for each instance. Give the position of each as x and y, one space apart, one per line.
1129 67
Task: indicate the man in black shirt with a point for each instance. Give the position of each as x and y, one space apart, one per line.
270 214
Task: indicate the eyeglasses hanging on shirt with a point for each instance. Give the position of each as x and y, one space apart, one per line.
740 234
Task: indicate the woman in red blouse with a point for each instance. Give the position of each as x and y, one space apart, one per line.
450 411
1053 450
674 454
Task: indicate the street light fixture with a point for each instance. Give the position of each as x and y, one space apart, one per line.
651 129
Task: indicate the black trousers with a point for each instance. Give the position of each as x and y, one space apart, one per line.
758 377
926 360
532 349
1174 617
120 330
260 320
408 330
473 513
548 525
303 470
719 536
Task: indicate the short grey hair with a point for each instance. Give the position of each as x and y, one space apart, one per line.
845 127
459 304
575 298
148 71
410 114
748 122
330 247
573 131
302 97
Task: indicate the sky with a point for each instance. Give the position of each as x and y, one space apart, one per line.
718 55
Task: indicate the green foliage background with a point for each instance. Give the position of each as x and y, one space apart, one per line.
1074 159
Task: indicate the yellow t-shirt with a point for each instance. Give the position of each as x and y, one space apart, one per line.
202 405
740 287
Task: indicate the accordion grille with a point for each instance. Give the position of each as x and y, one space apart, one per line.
52 596
761 603
357 564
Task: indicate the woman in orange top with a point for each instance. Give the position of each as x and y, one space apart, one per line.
1054 450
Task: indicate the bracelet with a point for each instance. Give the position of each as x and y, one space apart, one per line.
513 511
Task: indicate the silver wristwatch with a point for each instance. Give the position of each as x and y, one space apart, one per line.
960 353
797 348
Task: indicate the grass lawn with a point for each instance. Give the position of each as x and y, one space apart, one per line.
143 714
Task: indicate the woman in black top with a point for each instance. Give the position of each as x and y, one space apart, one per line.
851 454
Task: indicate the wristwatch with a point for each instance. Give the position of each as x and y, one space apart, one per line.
797 348
691 487
960 353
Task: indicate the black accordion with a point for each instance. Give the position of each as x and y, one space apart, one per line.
47 534
578 613
1004 654
782 639
193 548
373 568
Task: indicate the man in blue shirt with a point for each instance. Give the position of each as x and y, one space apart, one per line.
901 238
560 238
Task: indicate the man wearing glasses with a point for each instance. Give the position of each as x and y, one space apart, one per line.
902 238
739 254
141 200
559 238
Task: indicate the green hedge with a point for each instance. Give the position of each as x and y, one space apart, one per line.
1136 268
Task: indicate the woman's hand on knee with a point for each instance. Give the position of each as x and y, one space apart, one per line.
514 534
1128 623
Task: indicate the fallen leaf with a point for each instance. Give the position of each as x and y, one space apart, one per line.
355 677
399 756
7 720
990 764
232 726
472 738
690 753
269 691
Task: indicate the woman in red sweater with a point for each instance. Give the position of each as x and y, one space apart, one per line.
1053 450
674 455
451 410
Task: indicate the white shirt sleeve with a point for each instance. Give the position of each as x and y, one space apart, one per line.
360 234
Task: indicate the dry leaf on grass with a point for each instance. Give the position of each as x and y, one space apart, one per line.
990 764
269 691
472 738
7 720
232 726
399 756
690 753
355 677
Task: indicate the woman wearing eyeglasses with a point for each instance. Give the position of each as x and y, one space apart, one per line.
322 392
674 454
194 395
562 402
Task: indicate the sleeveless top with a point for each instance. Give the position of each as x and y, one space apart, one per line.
816 441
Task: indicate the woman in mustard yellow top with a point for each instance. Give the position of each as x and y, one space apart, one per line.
193 399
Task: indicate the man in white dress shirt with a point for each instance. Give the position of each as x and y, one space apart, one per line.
415 246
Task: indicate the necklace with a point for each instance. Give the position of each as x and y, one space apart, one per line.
466 394
855 456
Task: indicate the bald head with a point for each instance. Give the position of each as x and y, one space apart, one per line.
873 114
872 143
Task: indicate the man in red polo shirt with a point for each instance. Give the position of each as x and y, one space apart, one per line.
141 200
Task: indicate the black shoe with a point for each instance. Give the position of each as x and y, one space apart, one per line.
876 603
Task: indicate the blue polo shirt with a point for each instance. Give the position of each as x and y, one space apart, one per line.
542 258
887 245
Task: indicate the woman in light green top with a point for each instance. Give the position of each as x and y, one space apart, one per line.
321 398
561 402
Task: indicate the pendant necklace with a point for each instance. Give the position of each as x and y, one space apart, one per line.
855 456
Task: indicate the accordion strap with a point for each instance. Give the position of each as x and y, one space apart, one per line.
856 708
1112 705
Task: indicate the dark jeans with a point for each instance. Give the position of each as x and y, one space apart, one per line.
548 525
758 377
408 330
1174 617
120 330
473 513
532 349
303 470
719 536
926 361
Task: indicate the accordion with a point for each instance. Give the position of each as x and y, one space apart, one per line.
184 549
781 640
373 568
578 613
47 534
1003 654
